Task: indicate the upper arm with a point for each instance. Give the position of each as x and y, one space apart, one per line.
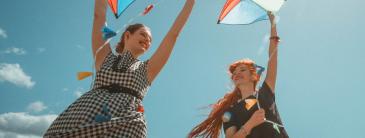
97 39
160 57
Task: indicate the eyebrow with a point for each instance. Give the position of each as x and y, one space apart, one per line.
144 32
238 68
241 68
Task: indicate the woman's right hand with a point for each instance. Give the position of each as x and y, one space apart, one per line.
256 119
271 17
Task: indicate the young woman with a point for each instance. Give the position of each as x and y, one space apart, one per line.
245 112
113 107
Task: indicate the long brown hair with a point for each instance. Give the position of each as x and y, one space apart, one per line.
132 29
211 127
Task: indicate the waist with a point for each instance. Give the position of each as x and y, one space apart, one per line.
115 88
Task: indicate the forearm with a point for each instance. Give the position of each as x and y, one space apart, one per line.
273 57
171 37
163 52
181 19
96 37
98 23
100 8
244 131
273 40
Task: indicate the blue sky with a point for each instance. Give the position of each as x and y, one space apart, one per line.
320 74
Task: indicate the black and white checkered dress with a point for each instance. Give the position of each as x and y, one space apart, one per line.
103 112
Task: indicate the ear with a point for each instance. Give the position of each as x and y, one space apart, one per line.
127 35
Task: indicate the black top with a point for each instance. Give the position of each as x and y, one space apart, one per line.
240 115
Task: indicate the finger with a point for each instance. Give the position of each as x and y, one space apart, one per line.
261 111
262 116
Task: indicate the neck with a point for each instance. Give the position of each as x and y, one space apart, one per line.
246 89
134 54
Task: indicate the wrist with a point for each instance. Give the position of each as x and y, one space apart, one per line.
247 128
273 25
276 38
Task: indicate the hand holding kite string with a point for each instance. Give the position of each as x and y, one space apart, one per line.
271 17
257 118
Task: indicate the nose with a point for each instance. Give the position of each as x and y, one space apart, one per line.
148 40
237 76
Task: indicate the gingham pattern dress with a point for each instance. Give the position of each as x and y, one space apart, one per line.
101 113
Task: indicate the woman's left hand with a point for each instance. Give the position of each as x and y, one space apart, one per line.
271 17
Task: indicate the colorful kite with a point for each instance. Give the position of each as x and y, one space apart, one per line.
108 33
118 6
247 11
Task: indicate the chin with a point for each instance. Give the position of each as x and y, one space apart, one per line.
141 51
240 83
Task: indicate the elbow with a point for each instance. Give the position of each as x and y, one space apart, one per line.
171 38
174 35
96 16
99 16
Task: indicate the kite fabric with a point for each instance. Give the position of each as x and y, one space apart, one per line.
147 9
247 11
108 33
83 75
118 6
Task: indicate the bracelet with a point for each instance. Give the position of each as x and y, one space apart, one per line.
277 38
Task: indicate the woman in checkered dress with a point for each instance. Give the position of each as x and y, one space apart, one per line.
113 107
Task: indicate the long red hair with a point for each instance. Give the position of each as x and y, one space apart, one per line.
211 127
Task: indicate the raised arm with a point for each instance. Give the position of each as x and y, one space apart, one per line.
163 52
273 55
97 39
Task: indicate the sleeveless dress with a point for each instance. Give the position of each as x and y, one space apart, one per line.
112 107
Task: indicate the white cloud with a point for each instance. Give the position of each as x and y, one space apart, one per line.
37 106
15 50
24 125
78 94
15 135
79 91
80 46
13 73
41 50
3 33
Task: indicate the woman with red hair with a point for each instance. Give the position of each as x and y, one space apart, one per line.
245 112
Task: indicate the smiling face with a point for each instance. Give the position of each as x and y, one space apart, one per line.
241 75
139 41
243 72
